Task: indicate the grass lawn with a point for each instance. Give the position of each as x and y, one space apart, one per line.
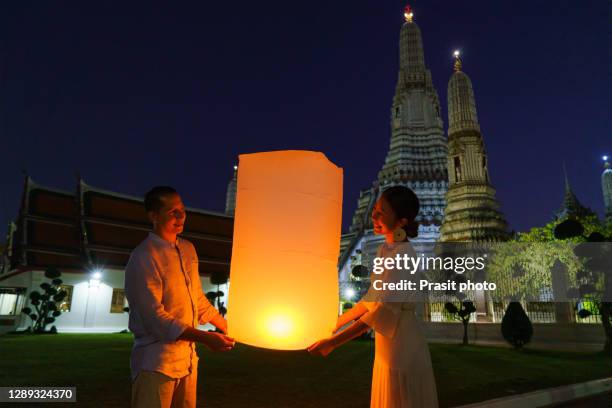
98 365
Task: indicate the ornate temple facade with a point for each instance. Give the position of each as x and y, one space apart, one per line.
472 212
417 156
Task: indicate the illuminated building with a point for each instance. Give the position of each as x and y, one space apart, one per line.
88 235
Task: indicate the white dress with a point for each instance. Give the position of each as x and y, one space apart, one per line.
402 376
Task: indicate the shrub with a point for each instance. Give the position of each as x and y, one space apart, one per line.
516 326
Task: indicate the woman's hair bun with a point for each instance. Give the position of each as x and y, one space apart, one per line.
405 204
412 229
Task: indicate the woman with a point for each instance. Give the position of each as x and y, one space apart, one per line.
402 375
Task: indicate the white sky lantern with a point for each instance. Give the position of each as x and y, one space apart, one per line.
284 277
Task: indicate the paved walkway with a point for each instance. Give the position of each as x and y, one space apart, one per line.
596 401
597 394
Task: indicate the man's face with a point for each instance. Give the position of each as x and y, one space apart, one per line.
171 216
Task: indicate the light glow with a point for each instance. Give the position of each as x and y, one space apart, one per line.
280 326
349 293
94 280
408 14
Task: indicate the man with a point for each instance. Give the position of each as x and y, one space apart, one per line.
163 288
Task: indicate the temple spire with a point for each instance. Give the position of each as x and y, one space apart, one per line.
411 44
458 64
417 150
571 206
408 14
568 188
472 212
230 195
462 113
606 187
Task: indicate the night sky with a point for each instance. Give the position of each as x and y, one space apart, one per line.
132 96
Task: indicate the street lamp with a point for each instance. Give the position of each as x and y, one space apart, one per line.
94 281
349 293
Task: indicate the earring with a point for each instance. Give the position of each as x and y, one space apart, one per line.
399 234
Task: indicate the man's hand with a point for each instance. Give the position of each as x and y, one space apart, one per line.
213 341
219 322
217 341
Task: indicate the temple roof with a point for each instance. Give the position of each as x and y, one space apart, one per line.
94 228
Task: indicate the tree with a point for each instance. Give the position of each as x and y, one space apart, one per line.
463 307
360 272
594 282
218 278
516 326
214 297
523 268
359 281
461 313
45 304
590 224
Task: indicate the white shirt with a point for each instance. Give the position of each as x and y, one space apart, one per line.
165 296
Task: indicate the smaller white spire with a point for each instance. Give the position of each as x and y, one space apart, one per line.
458 64
230 195
606 187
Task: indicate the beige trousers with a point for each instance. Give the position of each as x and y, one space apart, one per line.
152 389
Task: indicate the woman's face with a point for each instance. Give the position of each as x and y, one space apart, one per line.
384 219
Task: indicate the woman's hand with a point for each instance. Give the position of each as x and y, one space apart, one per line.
350 315
342 321
322 347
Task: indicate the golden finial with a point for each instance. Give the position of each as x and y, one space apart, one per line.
408 14
457 55
606 163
